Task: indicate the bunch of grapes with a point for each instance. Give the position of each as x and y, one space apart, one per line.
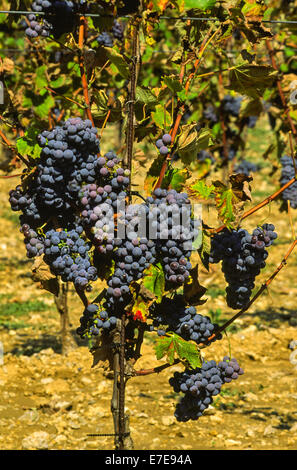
229 369
203 156
68 159
106 39
182 320
95 321
250 121
60 16
163 143
245 167
26 202
231 105
174 229
66 252
33 241
100 203
288 172
131 259
243 256
200 385
210 113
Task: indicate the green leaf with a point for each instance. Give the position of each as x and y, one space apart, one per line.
252 80
204 249
44 108
161 117
173 83
153 174
59 82
173 346
190 142
203 190
27 145
146 96
200 4
225 200
119 61
154 281
40 80
179 178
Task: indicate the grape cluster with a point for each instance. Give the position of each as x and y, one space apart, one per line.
59 18
210 113
203 156
163 143
21 200
66 253
288 172
68 159
230 369
34 243
74 200
250 121
243 255
200 385
131 259
182 320
100 203
106 39
245 167
174 229
231 105
94 321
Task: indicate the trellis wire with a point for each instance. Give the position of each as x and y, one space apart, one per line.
162 17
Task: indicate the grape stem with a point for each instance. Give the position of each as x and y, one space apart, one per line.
82 32
155 370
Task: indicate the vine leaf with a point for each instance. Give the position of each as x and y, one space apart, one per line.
27 146
41 273
226 201
153 174
119 61
150 288
173 83
153 282
251 80
204 249
202 190
230 199
190 141
200 4
161 117
172 346
175 178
